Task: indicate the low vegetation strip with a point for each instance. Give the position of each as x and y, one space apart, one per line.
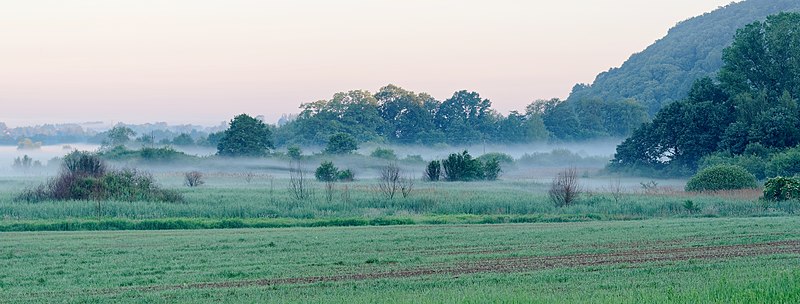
198 223
519 264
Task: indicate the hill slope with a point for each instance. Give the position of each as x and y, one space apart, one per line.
666 70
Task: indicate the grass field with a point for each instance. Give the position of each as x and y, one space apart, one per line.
733 260
230 202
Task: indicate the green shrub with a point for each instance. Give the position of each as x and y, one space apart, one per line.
782 189
84 177
387 154
433 171
346 175
752 163
722 177
462 167
326 172
491 170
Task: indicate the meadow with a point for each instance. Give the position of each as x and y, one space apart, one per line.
237 201
728 260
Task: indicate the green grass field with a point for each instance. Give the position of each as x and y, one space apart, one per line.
230 202
734 260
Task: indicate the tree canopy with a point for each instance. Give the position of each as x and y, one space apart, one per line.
752 103
693 49
246 136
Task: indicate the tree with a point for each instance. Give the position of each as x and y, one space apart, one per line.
119 135
246 136
183 140
341 143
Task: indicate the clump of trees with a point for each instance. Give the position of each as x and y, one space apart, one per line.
85 176
462 167
753 101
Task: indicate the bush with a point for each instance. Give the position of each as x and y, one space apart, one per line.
345 176
326 172
84 177
722 177
752 163
491 169
462 167
194 179
433 171
565 190
387 154
782 189
786 163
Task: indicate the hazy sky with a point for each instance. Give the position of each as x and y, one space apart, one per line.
202 61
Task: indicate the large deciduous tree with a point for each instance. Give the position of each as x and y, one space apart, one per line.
246 136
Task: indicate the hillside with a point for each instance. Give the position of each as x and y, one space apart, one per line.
666 70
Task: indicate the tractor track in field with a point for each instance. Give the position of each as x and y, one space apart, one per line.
523 264
495 265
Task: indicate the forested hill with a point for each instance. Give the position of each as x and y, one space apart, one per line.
666 70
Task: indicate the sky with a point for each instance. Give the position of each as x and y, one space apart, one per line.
204 61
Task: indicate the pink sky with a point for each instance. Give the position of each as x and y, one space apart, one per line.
202 61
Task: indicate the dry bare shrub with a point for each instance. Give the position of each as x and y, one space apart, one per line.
407 186
298 182
390 181
565 190
194 179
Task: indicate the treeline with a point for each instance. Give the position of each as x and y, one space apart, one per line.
750 109
398 116
665 71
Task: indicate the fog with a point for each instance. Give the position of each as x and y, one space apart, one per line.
537 163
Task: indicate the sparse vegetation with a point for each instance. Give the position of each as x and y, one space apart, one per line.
194 179
565 188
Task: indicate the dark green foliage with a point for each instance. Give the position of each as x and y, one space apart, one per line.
183 140
294 152
754 164
341 143
145 155
752 104
247 137
326 172
722 177
387 154
346 175
84 177
782 189
462 167
491 169
786 163
693 49
433 172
